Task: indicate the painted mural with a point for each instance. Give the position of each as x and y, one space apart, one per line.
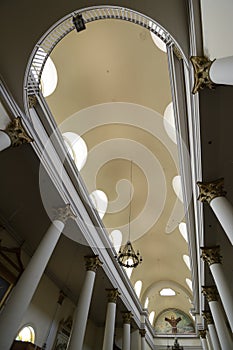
174 321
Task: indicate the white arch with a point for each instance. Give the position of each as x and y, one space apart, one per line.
165 284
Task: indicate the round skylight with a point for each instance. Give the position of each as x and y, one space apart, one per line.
116 238
146 303
183 230
157 41
76 147
100 202
189 283
169 122
186 259
167 292
138 288
151 317
49 78
176 184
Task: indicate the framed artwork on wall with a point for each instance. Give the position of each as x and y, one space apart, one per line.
173 321
63 335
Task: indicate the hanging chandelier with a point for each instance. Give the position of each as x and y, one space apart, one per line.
126 256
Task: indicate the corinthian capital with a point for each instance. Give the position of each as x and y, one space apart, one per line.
210 293
127 316
211 255
201 66
65 213
211 190
202 333
16 132
208 317
142 332
92 263
112 295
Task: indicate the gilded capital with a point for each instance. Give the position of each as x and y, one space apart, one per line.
63 214
142 332
127 316
112 295
208 317
16 132
211 190
201 66
211 255
202 333
210 293
92 262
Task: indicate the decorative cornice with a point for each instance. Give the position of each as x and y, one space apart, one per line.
127 316
16 132
201 66
92 262
112 295
211 255
208 317
142 332
210 293
211 190
63 214
202 333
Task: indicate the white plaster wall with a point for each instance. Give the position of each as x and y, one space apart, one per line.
42 309
94 337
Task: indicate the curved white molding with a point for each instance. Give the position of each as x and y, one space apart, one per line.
163 284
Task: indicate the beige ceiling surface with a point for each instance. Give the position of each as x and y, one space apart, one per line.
113 88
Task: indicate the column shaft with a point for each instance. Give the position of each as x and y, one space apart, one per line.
221 328
126 336
214 337
22 294
81 313
224 212
204 343
5 140
109 326
221 71
223 290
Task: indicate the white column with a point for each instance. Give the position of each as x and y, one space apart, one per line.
203 339
82 309
214 337
224 212
110 319
213 258
5 140
213 193
208 339
14 135
126 330
143 339
212 331
221 71
224 335
24 290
